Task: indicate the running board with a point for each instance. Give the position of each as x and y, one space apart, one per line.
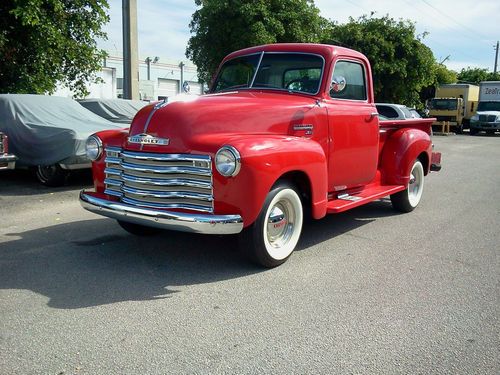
345 202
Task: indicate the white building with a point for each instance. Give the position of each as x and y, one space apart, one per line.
159 77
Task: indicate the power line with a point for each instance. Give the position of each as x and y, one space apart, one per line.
454 20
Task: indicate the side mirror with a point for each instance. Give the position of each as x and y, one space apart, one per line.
185 87
338 84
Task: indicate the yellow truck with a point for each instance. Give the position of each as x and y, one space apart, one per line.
454 103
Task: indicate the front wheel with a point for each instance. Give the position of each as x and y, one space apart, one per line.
271 239
408 199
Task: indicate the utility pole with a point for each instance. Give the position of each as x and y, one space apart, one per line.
130 50
496 59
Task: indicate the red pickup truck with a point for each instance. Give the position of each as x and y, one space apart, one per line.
286 129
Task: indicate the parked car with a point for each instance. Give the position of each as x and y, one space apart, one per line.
286 130
48 134
396 111
120 111
7 161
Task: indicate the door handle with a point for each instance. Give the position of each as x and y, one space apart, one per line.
372 116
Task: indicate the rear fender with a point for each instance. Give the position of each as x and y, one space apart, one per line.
400 151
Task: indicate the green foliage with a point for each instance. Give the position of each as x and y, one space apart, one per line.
476 75
43 42
223 26
442 75
401 64
445 75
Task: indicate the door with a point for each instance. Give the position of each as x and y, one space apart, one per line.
353 127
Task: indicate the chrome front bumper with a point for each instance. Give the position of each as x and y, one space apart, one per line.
179 221
7 161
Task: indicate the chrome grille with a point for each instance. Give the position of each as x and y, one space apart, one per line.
487 118
3 143
160 180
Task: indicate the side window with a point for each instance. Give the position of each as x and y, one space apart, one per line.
388 112
354 75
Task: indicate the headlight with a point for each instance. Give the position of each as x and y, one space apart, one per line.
475 118
93 147
228 161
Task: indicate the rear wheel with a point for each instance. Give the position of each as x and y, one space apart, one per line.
271 239
51 175
408 199
137 229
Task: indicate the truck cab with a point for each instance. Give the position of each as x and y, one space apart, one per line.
487 117
454 104
286 129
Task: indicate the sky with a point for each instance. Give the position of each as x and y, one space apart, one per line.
462 33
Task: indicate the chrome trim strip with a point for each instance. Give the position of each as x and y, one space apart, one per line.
169 182
156 107
113 171
113 193
164 157
167 194
163 206
197 223
166 169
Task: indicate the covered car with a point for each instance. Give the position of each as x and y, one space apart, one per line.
120 111
49 133
396 111
7 161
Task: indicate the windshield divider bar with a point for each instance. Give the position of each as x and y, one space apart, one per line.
256 70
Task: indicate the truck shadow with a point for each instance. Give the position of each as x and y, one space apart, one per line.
94 262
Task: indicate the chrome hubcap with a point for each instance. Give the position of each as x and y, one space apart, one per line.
280 224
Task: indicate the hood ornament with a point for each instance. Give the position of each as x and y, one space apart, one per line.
147 139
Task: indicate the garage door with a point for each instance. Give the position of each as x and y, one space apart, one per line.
195 88
167 87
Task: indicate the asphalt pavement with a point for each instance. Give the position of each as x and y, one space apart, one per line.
369 291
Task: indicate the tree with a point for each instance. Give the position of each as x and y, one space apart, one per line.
43 42
402 65
445 75
222 26
476 75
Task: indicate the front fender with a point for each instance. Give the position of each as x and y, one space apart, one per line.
264 159
400 151
108 138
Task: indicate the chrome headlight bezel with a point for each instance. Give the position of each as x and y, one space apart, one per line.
228 161
93 147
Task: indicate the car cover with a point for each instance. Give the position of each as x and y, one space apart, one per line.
44 130
115 110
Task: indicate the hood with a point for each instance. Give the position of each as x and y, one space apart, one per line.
495 113
186 120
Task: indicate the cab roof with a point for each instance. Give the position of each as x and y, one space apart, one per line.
326 50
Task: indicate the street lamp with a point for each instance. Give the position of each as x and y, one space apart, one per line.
148 61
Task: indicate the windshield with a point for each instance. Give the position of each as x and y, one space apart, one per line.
281 71
447 104
488 106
